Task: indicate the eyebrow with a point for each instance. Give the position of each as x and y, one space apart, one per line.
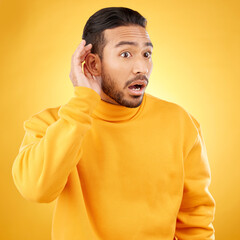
133 44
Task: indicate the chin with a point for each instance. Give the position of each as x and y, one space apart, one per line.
136 102
121 98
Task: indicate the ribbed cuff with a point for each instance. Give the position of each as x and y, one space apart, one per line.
81 105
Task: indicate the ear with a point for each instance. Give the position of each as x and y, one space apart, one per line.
93 64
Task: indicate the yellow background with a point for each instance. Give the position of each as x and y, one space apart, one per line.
196 64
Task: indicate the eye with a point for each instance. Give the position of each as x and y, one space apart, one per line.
147 54
125 54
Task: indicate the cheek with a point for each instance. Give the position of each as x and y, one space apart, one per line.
111 66
117 65
150 66
118 70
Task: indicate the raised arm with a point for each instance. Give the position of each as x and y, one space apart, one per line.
51 147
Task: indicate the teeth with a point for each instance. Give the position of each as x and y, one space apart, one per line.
136 87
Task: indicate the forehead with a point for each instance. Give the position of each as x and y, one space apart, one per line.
126 33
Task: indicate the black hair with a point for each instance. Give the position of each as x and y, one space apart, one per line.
108 18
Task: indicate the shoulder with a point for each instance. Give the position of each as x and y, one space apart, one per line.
41 120
177 121
171 111
173 117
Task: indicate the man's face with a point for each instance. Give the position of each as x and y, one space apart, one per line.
126 65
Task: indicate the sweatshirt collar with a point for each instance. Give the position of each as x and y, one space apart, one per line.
116 113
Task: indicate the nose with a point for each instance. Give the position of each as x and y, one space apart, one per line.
140 67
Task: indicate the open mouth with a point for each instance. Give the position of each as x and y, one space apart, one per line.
137 87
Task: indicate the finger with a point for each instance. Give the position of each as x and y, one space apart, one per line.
79 49
83 47
83 57
89 46
82 43
80 46
85 50
81 53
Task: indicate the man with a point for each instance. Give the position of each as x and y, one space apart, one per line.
122 164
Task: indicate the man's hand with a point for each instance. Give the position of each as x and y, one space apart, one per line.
76 75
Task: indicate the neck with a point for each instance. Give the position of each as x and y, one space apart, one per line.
115 112
108 99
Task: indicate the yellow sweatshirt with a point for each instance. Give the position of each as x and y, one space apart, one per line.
118 173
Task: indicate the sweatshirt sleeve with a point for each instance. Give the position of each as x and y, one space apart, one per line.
196 214
52 148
